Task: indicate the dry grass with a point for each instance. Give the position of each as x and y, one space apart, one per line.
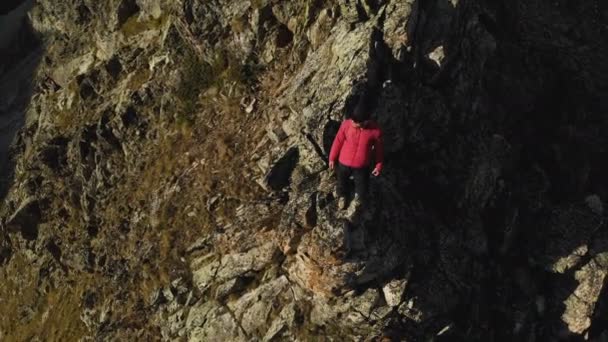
54 314
133 26
212 130
238 24
139 78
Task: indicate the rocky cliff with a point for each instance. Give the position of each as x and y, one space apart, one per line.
169 181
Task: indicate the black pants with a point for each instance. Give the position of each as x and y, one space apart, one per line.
360 176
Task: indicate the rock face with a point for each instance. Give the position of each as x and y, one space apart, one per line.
169 178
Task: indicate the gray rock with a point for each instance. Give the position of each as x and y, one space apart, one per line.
197 315
276 134
219 326
168 294
229 287
581 303
437 55
176 323
204 273
231 265
394 291
254 307
381 313
366 303
285 320
103 115
180 286
395 27
199 244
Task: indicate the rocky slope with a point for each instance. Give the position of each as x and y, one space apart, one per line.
170 180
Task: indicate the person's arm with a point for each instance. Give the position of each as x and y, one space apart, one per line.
336 146
379 152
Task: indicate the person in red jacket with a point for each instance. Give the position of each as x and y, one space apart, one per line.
357 140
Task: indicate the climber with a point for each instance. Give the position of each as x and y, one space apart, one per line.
352 147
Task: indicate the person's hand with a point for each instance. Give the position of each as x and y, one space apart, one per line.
331 165
376 172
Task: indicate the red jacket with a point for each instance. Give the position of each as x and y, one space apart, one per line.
354 145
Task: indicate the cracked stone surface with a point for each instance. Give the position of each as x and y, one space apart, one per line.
165 171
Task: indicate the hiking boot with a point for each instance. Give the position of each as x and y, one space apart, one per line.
342 203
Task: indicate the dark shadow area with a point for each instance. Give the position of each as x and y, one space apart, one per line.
8 6
18 63
329 133
26 219
126 10
280 173
599 322
490 222
21 50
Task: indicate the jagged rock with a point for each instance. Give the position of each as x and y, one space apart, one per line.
565 263
381 313
356 312
168 294
321 264
350 11
254 308
285 320
156 298
276 134
580 304
490 138
230 266
229 287
334 67
407 309
26 218
320 30
219 325
204 270
398 19
437 55
575 225
394 291
199 244
197 315
366 302
175 323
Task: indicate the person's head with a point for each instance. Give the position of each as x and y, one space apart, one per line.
361 113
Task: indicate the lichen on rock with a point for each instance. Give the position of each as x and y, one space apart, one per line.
166 171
